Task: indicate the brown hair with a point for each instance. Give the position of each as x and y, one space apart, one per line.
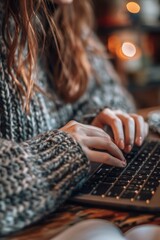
68 34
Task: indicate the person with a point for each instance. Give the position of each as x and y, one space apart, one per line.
57 94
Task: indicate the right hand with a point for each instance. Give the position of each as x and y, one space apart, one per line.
93 140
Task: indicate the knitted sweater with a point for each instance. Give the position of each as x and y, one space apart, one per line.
40 166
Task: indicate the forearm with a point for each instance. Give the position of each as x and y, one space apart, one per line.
37 176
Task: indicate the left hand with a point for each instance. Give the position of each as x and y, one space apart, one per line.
128 129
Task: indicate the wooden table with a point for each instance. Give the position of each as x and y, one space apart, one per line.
69 214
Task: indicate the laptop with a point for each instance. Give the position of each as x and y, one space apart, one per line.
135 187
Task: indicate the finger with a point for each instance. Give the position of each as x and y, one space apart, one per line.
139 129
106 158
71 123
104 144
109 117
129 130
146 129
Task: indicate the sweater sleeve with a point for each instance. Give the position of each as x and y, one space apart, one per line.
36 176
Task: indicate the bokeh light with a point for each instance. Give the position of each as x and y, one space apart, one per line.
128 49
133 7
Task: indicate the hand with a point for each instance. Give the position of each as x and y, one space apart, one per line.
96 144
128 129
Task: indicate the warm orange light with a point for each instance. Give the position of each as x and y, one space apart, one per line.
124 46
133 7
113 43
128 49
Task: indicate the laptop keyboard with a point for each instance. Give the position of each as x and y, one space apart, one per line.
138 181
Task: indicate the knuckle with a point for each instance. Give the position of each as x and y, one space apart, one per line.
134 115
140 118
116 121
119 111
108 137
107 158
130 120
72 122
106 111
77 127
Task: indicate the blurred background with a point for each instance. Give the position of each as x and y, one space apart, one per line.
130 31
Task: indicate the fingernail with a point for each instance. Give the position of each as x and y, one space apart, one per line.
123 164
139 141
129 148
123 158
121 144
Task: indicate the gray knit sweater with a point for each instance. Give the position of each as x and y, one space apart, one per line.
40 166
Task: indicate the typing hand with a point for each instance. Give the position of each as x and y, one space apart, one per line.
128 129
96 144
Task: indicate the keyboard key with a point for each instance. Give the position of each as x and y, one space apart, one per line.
128 194
115 191
152 183
122 183
156 173
135 163
148 167
101 172
86 189
133 168
96 178
125 177
144 196
140 177
144 172
109 179
130 173
133 187
149 189
154 178
101 189
138 182
116 172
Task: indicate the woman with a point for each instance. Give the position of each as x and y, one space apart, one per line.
54 75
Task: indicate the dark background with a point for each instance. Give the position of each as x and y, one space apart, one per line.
130 30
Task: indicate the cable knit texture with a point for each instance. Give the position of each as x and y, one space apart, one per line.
40 166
